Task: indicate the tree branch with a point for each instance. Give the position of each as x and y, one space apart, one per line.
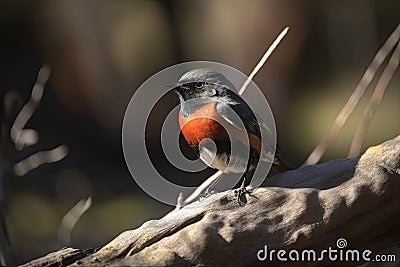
312 207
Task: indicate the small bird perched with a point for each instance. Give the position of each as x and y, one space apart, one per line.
207 102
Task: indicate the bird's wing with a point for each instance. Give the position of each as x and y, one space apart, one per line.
245 117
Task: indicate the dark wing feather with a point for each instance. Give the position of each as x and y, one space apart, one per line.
252 123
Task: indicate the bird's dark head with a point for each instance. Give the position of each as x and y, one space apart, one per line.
202 83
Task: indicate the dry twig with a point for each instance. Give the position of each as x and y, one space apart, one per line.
354 99
71 218
15 137
374 102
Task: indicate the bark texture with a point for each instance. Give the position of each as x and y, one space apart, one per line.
357 199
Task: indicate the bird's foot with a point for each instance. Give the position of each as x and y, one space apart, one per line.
240 193
206 194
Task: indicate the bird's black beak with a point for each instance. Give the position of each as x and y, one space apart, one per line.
176 88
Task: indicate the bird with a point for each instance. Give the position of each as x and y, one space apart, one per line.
207 103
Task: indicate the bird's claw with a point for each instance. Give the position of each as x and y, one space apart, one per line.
206 194
240 193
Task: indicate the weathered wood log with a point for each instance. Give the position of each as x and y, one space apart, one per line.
62 257
356 199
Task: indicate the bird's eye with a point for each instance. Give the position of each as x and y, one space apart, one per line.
198 85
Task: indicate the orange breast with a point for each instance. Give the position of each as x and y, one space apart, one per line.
206 122
202 124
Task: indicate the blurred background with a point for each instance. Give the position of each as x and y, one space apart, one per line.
101 51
